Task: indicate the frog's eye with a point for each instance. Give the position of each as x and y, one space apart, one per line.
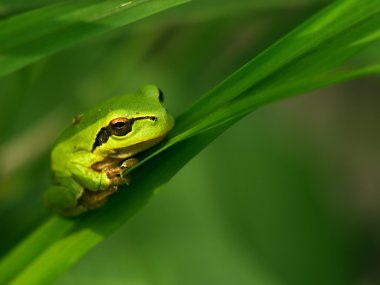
120 126
160 96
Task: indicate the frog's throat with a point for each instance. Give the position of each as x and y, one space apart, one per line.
129 151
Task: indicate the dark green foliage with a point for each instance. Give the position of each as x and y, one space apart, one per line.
60 58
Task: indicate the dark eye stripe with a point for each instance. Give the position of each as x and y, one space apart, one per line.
105 132
101 138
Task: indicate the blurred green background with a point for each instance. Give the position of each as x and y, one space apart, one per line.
289 195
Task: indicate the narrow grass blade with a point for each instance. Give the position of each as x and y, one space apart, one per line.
31 36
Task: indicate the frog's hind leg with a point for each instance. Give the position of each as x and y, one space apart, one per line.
60 198
91 200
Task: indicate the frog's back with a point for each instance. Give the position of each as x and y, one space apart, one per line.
75 138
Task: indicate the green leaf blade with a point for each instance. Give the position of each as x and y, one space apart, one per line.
65 24
337 18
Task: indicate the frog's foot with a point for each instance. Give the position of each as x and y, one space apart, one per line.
91 200
115 174
129 163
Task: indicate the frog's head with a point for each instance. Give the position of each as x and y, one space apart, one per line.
132 123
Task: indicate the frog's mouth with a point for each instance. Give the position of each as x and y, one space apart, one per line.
104 134
114 160
129 151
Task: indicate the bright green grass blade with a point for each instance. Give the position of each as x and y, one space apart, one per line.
33 246
337 19
309 71
12 7
33 35
239 108
270 78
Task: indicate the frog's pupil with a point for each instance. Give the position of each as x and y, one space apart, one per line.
119 124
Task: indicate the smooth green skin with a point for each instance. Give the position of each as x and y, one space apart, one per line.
72 155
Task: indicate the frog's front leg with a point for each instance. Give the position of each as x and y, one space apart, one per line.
114 167
91 179
101 175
